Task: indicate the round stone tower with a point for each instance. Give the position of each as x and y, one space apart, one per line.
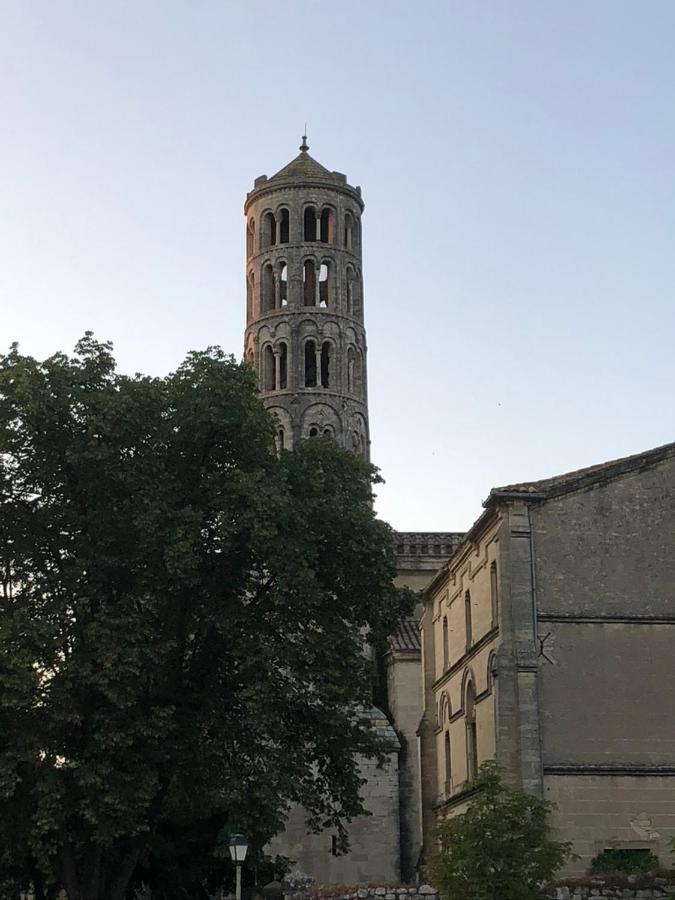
304 309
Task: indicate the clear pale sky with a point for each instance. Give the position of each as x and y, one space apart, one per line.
518 165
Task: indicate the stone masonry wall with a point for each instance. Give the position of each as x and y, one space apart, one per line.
630 887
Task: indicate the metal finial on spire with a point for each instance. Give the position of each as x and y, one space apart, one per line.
304 146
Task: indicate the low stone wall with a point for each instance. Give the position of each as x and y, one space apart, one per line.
629 887
598 887
365 892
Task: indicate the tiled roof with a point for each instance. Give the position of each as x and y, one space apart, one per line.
407 637
581 477
303 166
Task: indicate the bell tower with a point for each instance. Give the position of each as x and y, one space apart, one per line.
304 335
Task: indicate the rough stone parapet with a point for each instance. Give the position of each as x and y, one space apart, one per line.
629 887
366 892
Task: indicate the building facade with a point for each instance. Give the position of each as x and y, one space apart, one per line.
547 640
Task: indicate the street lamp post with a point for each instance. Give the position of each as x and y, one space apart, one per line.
238 845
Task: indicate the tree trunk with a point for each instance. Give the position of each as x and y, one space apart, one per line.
101 874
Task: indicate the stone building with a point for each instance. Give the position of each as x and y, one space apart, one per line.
548 643
304 311
306 339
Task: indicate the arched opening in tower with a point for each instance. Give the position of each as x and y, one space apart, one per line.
250 237
285 227
309 283
325 364
283 366
310 364
349 231
310 224
269 230
267 301
324 285
268 369
283 285
327 226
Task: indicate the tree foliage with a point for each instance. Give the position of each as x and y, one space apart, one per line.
501 847
182 616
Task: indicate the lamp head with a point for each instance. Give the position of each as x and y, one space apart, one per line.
237 845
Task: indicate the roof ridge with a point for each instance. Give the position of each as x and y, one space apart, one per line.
546 486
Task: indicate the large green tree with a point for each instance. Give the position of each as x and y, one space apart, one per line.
182 615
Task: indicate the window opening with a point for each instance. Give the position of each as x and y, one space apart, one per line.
467 619
325 364
267 288
328 432
309 283
269 236
351 363
268 369
250 237
471 735
250 294
281 440
313 432
310 364
283 366
327 226
448 763
309 222
285 227
349 231
494 593
323 286
446 650
283 285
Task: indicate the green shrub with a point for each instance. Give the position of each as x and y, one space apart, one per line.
624 861
501 847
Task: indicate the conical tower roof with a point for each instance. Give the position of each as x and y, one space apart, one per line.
303 166
301 171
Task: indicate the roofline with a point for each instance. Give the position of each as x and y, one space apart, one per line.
479 526
283 184
546 488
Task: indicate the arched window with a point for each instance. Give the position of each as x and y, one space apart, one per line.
283 366
351 370
353 293
280 440
310 364
283 285
250 295
327 226
358 373
309 223
471 734
269 233
356 443
350 290
349 231
284 227
309 283
448 763
446 649
325 364
467 620
328 432
324 285
313 431
356 235
250 357
269 369
267 298
250 237
494 593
